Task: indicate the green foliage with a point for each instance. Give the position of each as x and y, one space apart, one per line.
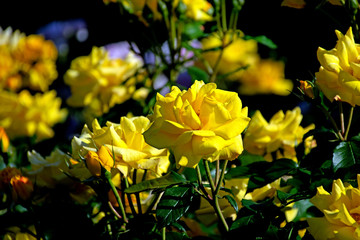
346 154
174 203
262 172
168 180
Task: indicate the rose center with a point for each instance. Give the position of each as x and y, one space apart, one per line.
356 217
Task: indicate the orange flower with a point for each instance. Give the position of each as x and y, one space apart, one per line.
22 188
307 88
6 174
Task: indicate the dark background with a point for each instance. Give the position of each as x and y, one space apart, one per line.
297 32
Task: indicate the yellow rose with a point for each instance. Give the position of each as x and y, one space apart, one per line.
265 77
26 115
98 82
341 211
202 122
198 10
103 157
128 144
280 135
339 73
237 52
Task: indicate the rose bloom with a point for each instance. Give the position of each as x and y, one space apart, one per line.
237 53
26 115
265 77
126 141
27 61
5 176
199 10
202 122
21 188
341 212
98 82
280 135
339 73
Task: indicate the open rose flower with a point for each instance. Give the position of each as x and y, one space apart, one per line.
280 135
202 122
339 73
127 143
341 211
98 82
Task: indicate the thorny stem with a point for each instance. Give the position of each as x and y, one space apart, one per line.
118 199
349 123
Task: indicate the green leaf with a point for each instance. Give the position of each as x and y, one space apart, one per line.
346 154
263 40
170 179
198 74
173 204
232 202
243 221
262 173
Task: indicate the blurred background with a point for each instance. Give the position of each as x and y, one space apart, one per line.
296 32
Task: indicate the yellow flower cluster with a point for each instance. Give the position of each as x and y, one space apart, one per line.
202 122
280 135
127 143
26 61
98 82
339 73
238 59
341 211
26 115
